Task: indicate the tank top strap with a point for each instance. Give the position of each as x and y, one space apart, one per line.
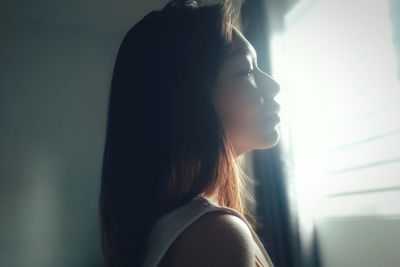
264 257
168 227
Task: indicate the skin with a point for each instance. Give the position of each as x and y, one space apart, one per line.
243 98
216 239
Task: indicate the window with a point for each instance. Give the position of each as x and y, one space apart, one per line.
341 103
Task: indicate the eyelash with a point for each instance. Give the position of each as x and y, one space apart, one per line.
247 73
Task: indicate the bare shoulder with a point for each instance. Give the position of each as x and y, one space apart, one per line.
215 239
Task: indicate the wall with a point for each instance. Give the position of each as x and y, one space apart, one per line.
56 65
359 241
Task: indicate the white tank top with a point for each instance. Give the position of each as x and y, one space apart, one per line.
171 225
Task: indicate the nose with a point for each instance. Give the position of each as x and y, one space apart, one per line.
269 85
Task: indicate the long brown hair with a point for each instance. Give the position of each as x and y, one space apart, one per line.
164 141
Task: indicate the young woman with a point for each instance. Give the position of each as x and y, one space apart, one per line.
187 100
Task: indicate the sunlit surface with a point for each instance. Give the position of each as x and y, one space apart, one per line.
342 100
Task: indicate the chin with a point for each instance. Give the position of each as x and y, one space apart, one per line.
266 140
270 139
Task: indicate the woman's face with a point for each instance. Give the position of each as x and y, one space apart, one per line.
244 101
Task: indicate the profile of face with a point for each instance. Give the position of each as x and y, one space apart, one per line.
243 99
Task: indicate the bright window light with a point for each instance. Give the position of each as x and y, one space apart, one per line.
341 106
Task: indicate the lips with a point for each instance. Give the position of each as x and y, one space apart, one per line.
272 109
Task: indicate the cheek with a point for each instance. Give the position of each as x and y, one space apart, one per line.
240 109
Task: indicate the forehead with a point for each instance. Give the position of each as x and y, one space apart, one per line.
240 45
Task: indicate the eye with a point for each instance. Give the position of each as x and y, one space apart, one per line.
247 73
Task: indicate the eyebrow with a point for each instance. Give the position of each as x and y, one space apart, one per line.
243 50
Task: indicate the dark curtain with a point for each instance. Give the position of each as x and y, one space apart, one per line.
279 232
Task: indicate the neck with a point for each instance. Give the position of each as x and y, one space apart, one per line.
213 197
